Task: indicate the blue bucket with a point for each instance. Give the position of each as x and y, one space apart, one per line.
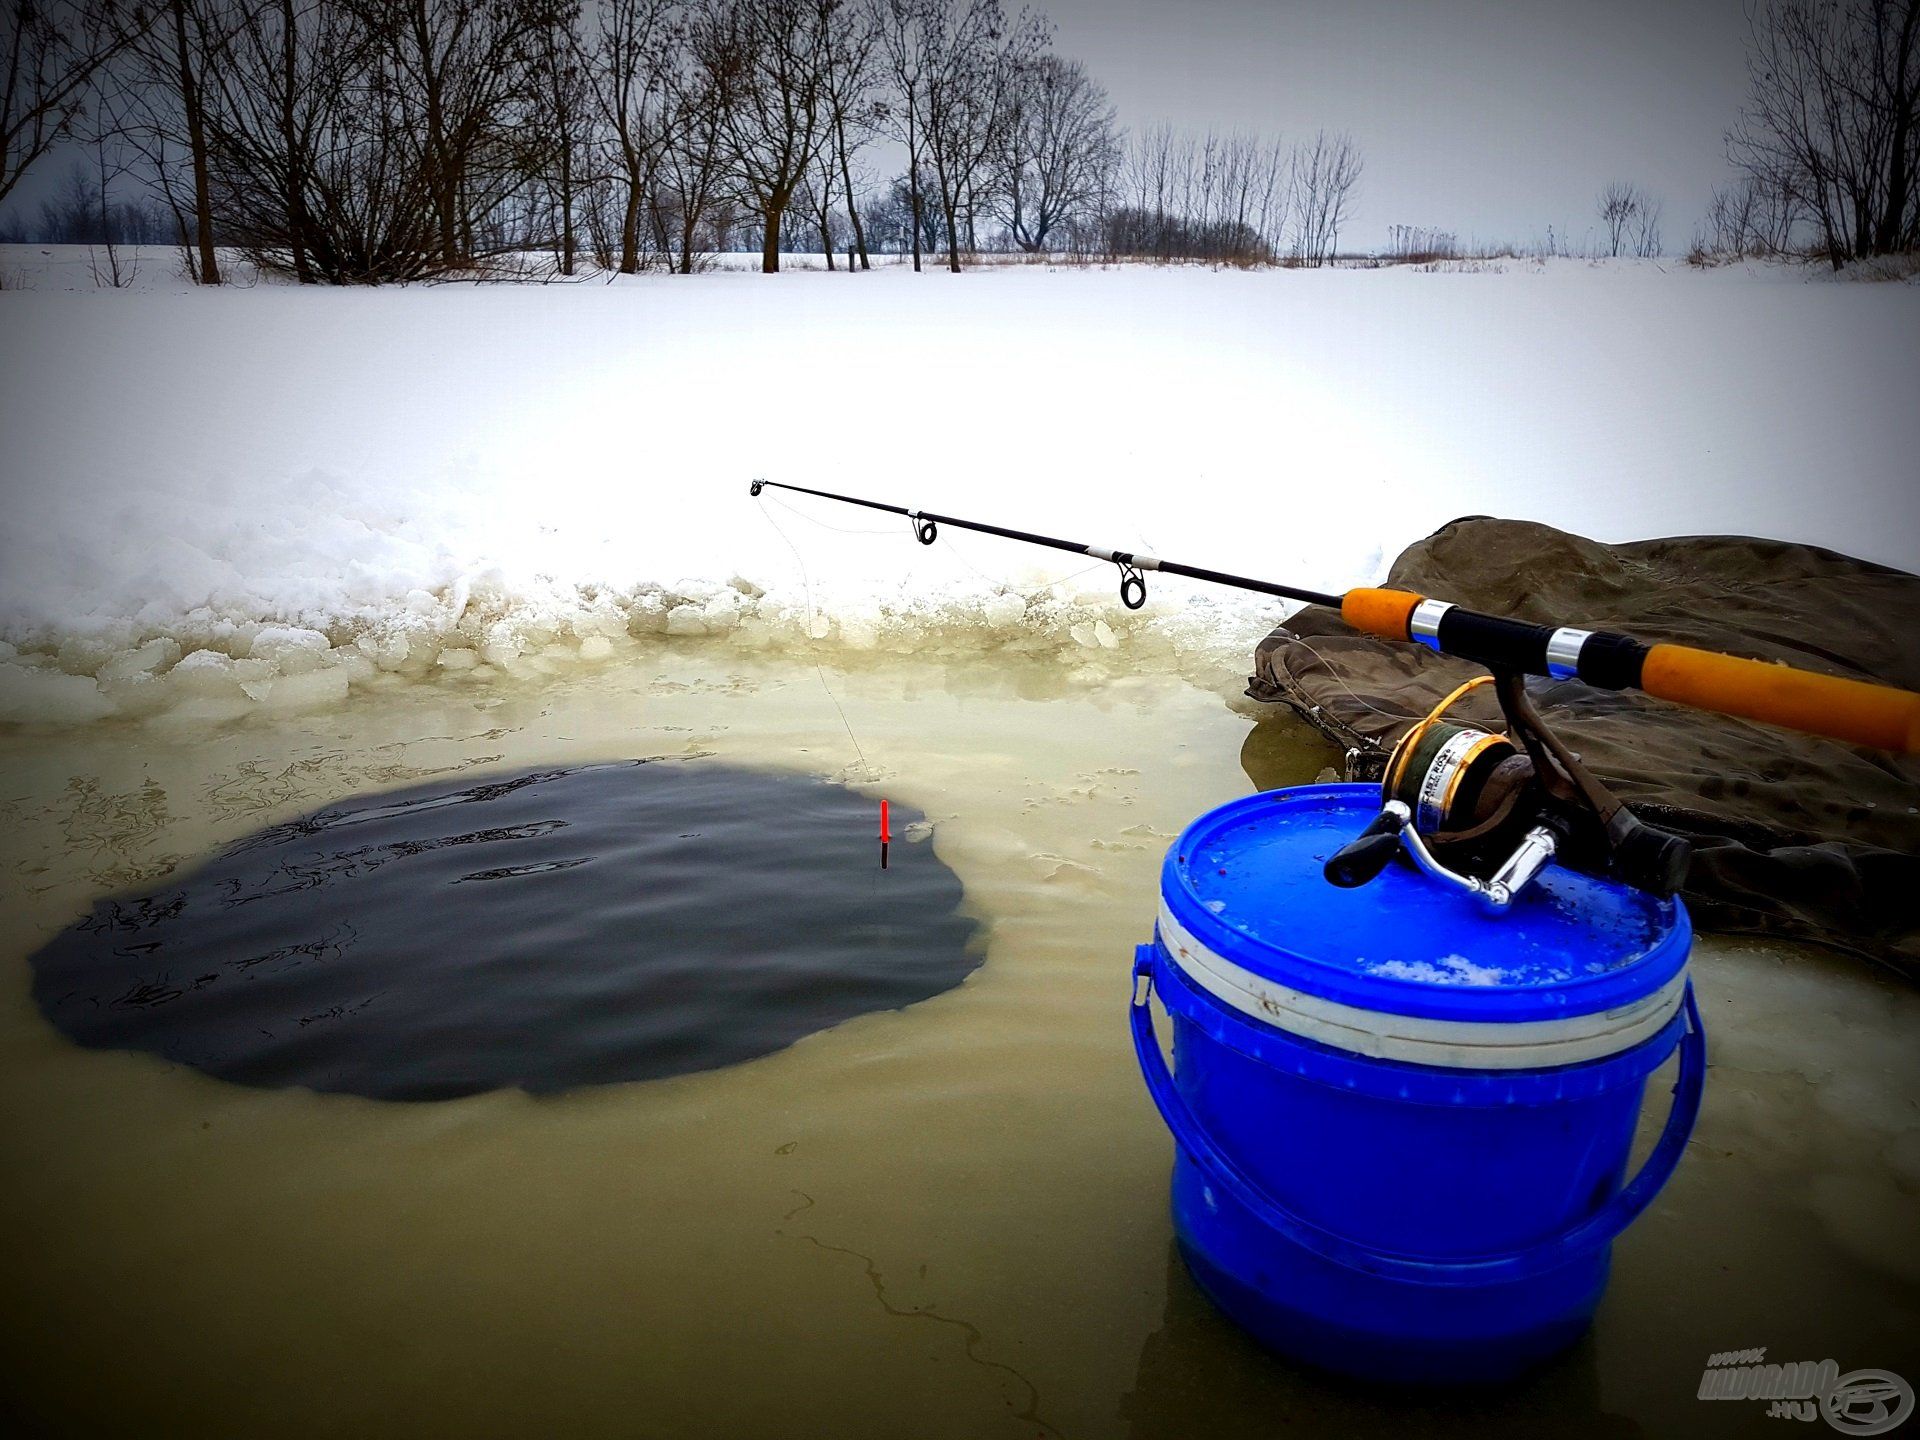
1403 1121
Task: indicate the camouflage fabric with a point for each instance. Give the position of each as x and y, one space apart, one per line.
1792 835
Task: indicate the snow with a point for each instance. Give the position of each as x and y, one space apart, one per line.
1450 970
506 478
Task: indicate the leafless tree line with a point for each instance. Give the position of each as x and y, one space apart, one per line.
1234 197
1828 143
1420 244
350 141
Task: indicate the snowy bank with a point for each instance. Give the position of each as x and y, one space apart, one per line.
238 497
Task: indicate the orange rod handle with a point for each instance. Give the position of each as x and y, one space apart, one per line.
1380 612
1849 710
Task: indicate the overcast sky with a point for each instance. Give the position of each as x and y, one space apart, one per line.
1490 118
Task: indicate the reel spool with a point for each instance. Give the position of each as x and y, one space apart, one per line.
1486 812
1456 779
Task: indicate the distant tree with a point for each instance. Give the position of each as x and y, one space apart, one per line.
1217 197
906 47
1621 207
1324 173
854 109
766 63
815 211
693 160
83 209
1747 217
972 59
1646 229
889 221
1245 187
1631 218
1831 125
1153 165
631 69
1419 244
1058 153
561 121
109 165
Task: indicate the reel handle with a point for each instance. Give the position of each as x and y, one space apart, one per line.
1369 852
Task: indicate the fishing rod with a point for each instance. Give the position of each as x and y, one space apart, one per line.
1854 711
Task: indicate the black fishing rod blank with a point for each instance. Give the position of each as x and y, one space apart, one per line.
1853 711
1133 584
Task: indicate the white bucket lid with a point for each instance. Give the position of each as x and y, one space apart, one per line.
1419 1039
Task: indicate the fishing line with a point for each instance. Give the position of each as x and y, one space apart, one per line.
807 585
813 520
1341 681
1011 588
1008 585
952 549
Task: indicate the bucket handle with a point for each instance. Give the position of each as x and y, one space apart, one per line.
1597 1229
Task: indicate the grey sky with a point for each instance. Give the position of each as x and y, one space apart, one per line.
1491 118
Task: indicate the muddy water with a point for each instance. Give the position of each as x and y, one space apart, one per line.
947 1220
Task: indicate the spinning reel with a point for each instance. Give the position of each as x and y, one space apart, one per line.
1486 812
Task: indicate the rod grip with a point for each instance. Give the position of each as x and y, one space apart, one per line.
1380 612
1851 710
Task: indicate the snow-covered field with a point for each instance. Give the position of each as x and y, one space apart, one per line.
215 499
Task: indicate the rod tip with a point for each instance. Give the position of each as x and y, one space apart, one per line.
754 488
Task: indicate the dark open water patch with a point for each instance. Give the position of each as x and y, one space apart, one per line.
544 930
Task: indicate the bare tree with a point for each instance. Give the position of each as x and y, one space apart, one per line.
1324 172
632 74
458 73
1744 218
165 80
1622 208
310 162
973 56
1646 228
85 210
854 110
816 202
906 45
561 121
50 52
1059 149
108 166
767 63
259 89
1832 119
693 159
1153 166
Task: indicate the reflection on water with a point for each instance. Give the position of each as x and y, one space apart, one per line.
548 929
1282 750
1198 1357
987 1251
